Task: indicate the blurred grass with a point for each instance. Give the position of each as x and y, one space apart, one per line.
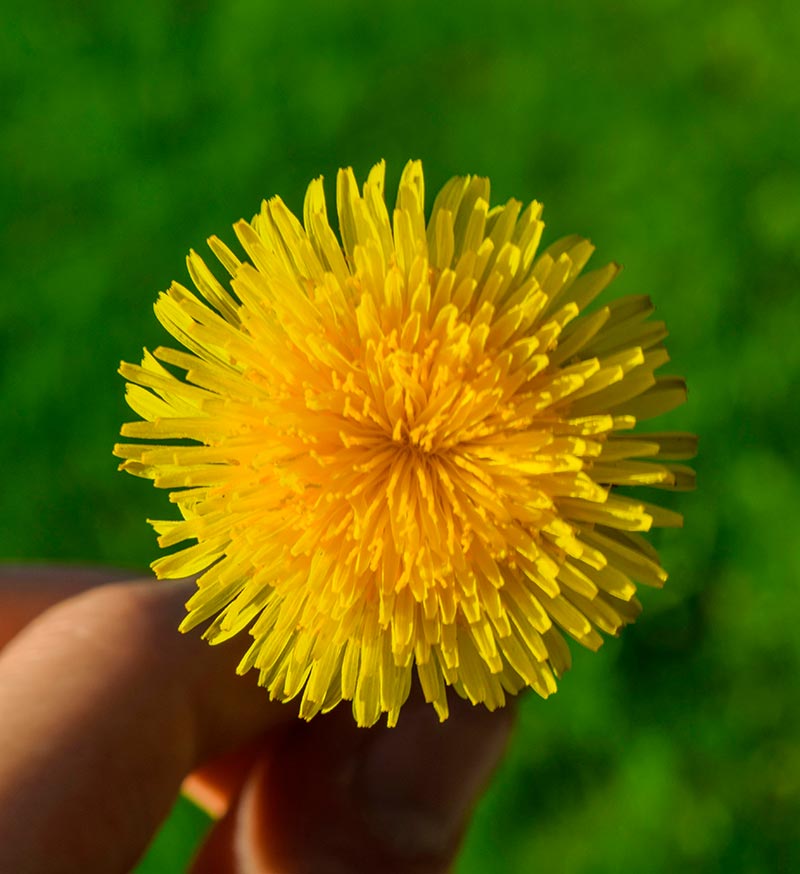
667 131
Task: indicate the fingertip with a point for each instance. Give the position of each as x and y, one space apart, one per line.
106 707
208 796
27 590
417 786
214 786
331 797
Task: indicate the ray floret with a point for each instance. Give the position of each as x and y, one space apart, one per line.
398 450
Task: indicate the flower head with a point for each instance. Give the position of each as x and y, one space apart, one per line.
400 452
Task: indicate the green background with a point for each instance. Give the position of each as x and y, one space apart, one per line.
667 131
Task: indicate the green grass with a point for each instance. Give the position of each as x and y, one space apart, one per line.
667 131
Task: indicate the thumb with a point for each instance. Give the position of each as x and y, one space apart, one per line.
329 798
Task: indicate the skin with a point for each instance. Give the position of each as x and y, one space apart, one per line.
107 711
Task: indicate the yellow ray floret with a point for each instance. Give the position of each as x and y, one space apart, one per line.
399 447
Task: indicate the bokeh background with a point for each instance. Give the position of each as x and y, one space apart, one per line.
667 131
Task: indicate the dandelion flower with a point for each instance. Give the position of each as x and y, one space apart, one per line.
399 452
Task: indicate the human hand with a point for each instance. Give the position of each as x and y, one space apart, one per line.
106 709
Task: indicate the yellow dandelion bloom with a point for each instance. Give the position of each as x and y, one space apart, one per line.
399 452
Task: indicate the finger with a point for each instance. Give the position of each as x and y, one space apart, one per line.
28 590
216 784
328 797
106 707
